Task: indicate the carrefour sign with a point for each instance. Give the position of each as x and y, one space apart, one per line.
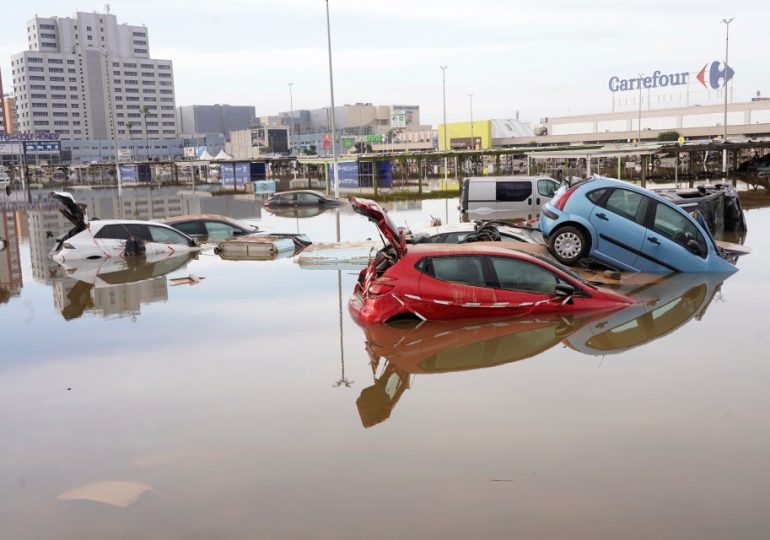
658 80
710 77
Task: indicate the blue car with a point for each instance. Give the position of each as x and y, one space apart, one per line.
628 228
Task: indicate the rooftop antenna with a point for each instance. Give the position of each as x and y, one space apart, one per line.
107 8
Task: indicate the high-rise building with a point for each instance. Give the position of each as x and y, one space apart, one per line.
201 119
81 72
3 121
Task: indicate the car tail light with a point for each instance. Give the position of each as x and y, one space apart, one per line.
380 287
560 202
68 246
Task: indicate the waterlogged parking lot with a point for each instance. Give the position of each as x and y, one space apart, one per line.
238 399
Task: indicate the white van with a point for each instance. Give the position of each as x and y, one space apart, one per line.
506 196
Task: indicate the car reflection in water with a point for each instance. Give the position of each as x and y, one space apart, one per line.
663 306
115 287
400 350
296 212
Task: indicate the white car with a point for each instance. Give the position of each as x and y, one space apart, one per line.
459 233
5 184
100 239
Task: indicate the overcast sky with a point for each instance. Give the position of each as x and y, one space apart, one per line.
544 58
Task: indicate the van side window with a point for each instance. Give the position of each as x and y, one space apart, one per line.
513 191
547 188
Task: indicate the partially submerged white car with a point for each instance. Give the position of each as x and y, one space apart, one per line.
101 239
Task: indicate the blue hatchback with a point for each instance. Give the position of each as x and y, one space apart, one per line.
628 228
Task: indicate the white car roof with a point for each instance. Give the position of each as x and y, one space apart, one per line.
99 223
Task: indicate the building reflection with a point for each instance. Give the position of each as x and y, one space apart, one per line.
400 351
11 281
113 288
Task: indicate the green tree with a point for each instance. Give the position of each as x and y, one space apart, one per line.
667 136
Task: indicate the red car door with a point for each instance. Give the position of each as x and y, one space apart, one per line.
454 286
524 286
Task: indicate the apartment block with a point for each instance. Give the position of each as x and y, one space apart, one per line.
88 77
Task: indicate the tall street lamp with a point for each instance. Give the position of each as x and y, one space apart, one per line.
331 91
291 122
446 148
110 101
639 120
727 44
473 145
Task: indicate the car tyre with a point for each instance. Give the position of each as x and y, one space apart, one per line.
568 245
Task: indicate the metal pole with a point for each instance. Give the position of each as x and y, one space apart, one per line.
331 91
111 104
446 148
727 44
470 97
291 122
639 120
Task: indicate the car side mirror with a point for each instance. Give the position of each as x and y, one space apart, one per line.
566 291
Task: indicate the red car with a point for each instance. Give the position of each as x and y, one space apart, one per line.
462 281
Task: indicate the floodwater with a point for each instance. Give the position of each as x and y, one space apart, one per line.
250 405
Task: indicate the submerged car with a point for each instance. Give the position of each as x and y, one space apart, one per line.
473 232
210 227
302 197
443 281
628 228
97 239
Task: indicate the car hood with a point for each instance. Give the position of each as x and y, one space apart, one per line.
374 212
71 210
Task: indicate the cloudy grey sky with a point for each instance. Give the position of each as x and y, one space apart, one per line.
544 58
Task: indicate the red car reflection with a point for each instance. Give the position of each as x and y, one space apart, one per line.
461 281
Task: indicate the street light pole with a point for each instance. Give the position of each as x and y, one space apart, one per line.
291 122
639 120
446 148
727 45
470 97
111 104
331 91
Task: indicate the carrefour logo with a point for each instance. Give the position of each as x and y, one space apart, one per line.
658 80
712 75
715 76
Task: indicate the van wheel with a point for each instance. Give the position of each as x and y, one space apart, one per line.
8 190
568 245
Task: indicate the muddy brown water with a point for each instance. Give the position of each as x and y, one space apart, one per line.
250 405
